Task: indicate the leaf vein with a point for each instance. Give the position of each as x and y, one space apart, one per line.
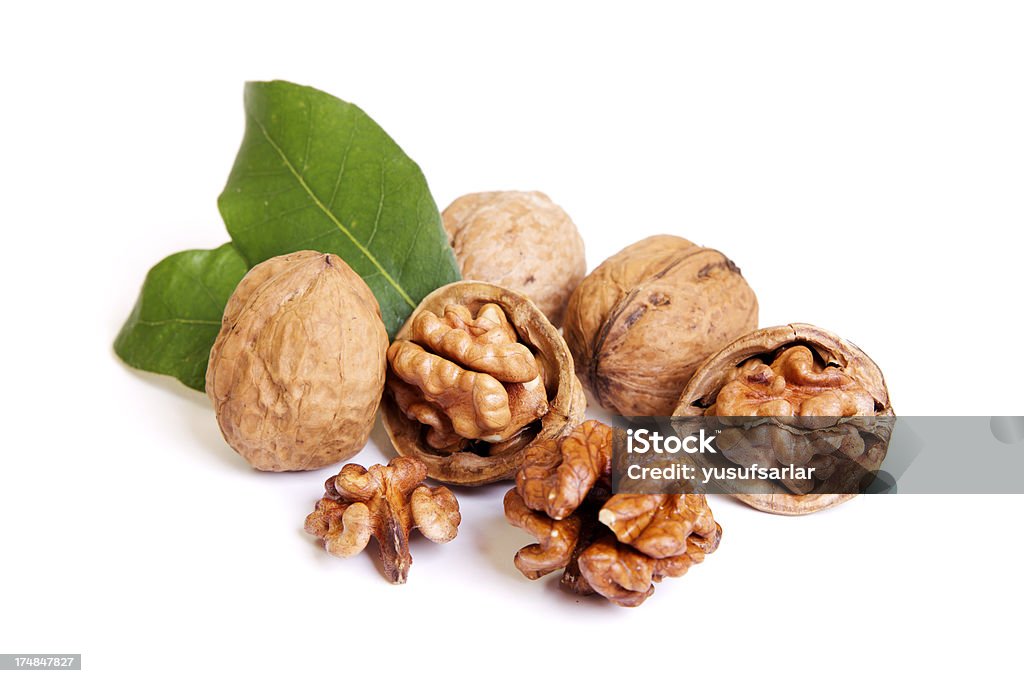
334 219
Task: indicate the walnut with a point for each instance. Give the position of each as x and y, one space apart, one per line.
813 377
386 502
297 370
519 240
617 546
475 374
642 321
795 383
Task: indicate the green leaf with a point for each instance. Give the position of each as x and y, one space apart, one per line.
314 172
178 313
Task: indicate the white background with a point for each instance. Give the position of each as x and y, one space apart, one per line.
862 162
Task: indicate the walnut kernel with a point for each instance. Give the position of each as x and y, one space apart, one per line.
384 502
805 372
475 374
617 546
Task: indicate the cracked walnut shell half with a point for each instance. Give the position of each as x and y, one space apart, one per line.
617 546
808 375
475 375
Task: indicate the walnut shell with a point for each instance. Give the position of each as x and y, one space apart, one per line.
478 462
642 321
858 388
520 240
297 370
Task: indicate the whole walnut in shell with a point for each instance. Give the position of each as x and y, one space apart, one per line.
642 321
805 376
297 370
519 240
475 375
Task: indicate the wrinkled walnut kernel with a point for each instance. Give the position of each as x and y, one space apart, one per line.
499 394
476 374
795 383
557 475
385 502
617 546
626 576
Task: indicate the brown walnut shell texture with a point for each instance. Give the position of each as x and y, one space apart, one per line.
566 400
297 370
642 321
520 240
861 378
